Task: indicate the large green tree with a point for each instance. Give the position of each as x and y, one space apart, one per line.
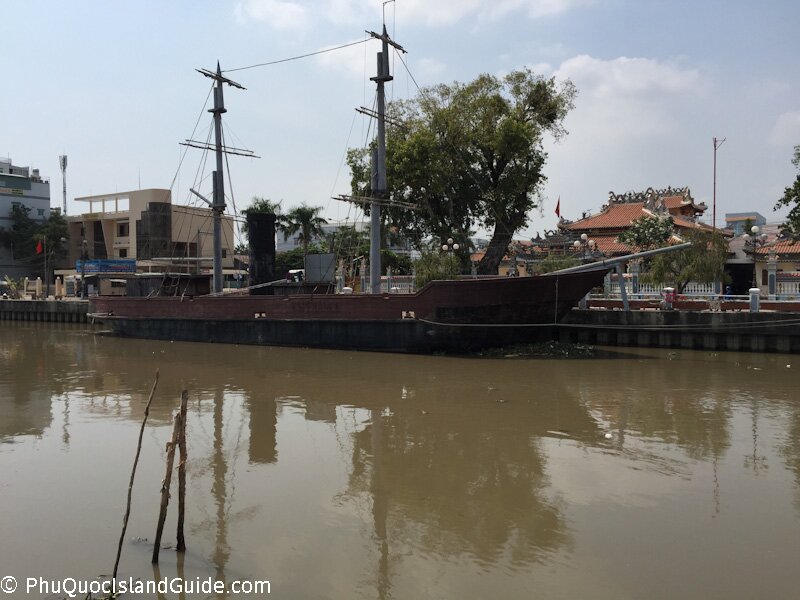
791 198
25 235
305 221
469 156
647 233
702 262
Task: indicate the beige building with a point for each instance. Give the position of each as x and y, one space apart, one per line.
144 225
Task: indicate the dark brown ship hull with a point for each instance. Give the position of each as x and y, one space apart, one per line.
453 316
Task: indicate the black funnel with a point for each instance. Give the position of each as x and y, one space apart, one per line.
261 236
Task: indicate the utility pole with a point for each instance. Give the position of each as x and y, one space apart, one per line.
717 144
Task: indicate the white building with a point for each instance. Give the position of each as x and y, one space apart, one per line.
20 186
144 225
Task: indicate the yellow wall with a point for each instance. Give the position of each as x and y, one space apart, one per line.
110 210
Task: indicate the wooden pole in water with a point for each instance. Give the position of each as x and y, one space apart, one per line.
182 472
133 474
162 516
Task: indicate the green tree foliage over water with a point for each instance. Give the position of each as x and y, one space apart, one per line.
647 233
469 156
702 262
791 199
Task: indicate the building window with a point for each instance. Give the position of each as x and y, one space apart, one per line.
224 253
123 253
123 230
41 212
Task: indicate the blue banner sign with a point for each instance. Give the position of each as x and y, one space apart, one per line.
106 266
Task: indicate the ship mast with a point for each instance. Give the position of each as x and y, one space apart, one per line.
380 192
217 203
379 186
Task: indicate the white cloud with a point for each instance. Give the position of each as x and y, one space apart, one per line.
535 8
633 125
357 61
786 129
293 15
626 97
628 76
428 70
277 14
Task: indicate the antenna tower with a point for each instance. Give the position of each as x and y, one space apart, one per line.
62 162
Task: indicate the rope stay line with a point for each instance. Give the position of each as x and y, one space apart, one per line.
291 58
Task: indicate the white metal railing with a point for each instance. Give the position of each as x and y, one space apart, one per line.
655 289
397 284
788 288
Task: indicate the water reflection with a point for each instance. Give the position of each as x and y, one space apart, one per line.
263 429
26 408
450 485
356 473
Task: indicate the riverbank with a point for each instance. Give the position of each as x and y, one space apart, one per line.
54 311
699 330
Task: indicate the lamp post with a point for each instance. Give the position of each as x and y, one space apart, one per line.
84 258
450 246
46 280
585 246
753 242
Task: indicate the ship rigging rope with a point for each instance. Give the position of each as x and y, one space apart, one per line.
186 149
283 60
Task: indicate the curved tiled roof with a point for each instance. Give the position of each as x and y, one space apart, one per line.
615 216
679 201
781 248
622 215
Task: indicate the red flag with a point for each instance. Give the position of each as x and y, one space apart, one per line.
39 248
558 207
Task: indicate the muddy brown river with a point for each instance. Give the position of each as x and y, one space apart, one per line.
635 474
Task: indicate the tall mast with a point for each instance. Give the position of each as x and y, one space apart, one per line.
218 199
380 193
379 186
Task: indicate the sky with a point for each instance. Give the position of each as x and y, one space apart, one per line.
113 86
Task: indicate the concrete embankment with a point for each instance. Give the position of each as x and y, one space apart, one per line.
55 311
700 330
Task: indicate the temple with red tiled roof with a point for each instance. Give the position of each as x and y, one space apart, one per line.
623 209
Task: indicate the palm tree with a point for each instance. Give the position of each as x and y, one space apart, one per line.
306 221
262 205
